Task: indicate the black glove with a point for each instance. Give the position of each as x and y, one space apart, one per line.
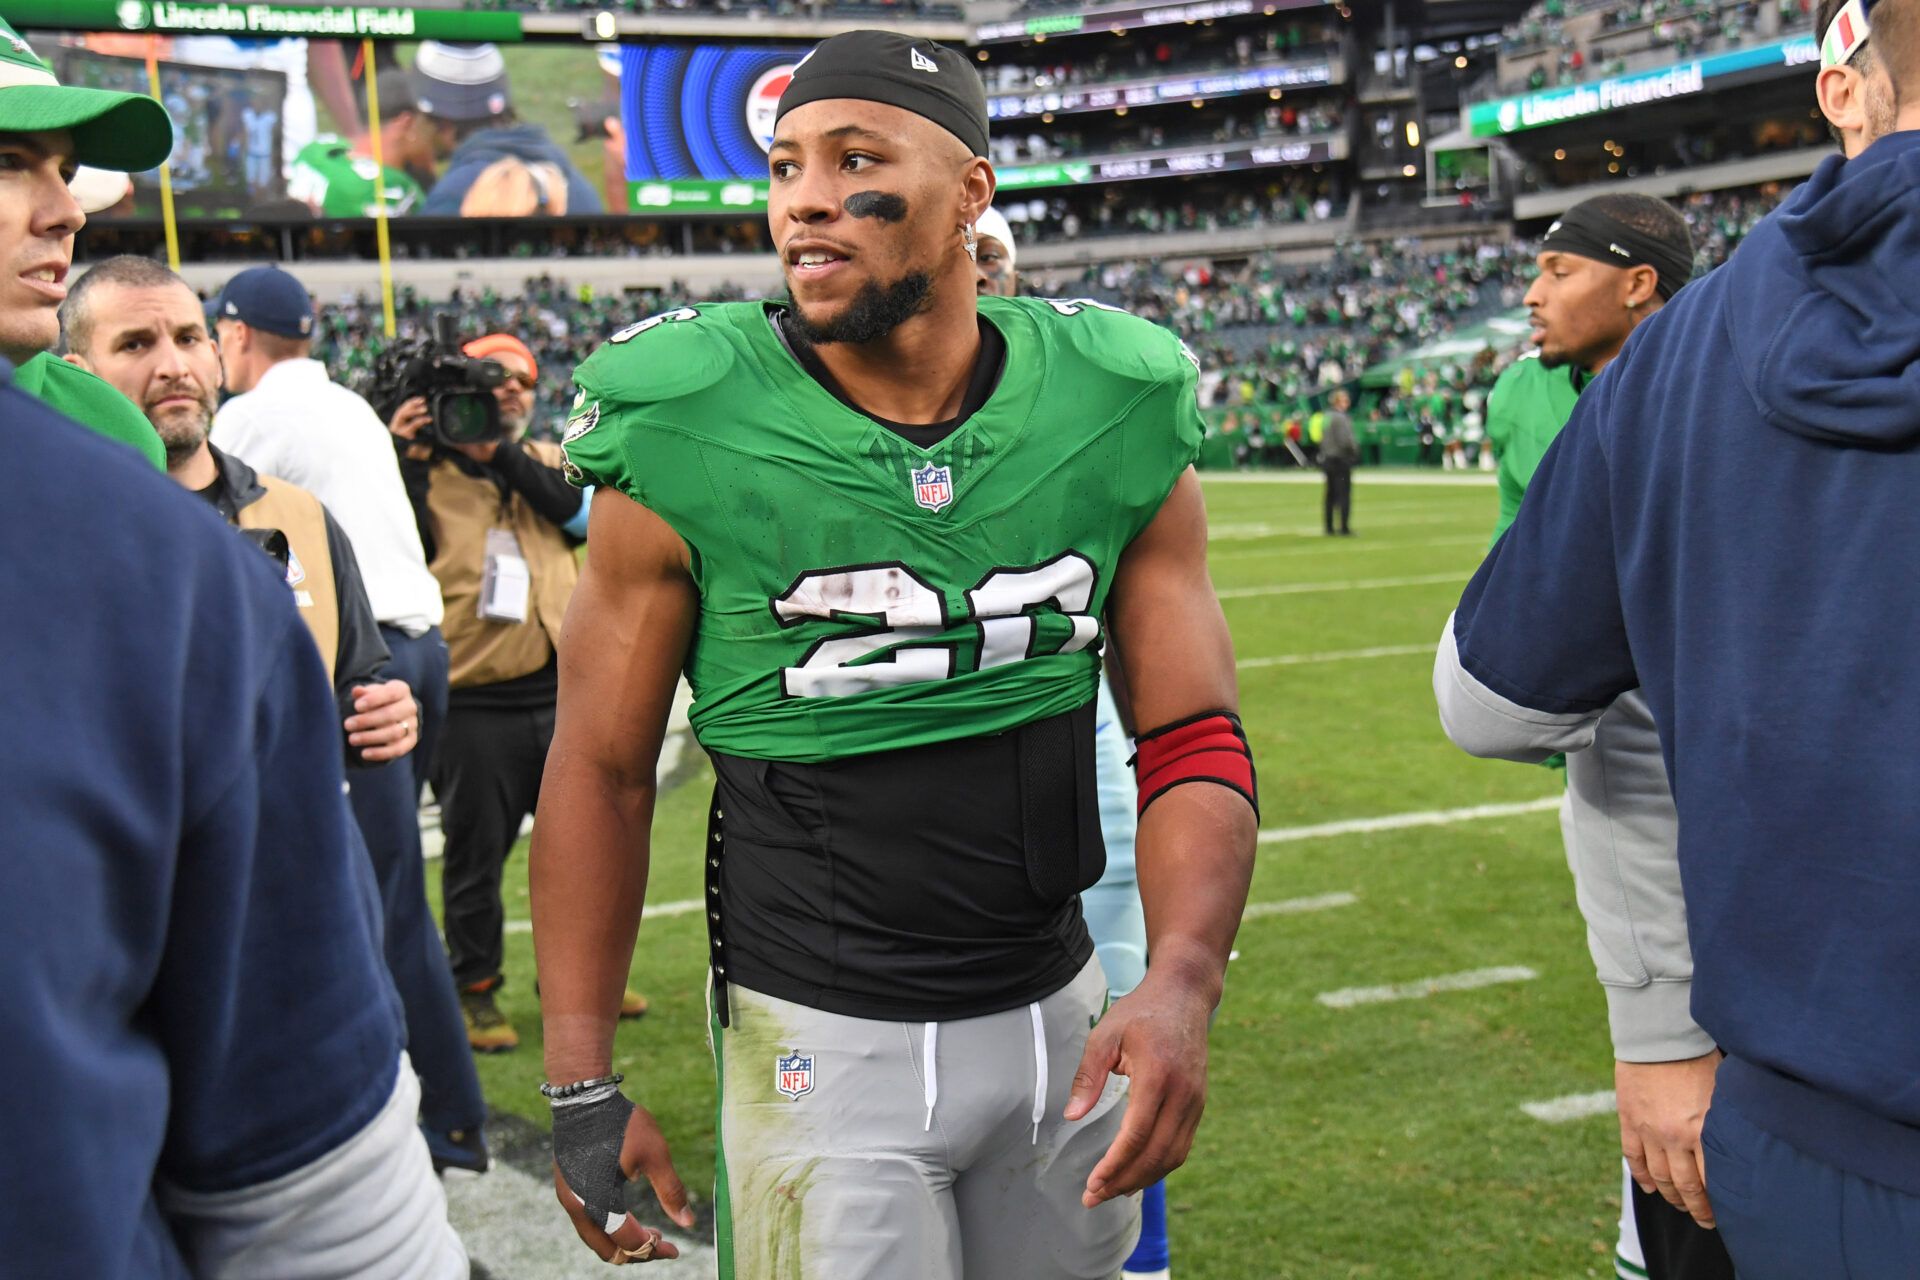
587 1136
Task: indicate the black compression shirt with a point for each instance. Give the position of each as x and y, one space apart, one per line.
927 884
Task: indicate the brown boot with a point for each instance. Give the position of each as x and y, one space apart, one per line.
488 1030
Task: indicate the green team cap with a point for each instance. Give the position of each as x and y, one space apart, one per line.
129 132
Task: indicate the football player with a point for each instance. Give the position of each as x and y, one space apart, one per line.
886 527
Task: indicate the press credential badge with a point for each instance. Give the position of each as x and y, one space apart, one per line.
505 582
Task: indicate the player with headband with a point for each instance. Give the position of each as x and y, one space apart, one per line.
886 528
1727 524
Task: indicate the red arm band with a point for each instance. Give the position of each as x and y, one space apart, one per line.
1209 747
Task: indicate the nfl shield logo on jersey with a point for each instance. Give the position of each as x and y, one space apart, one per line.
793 1075
933 487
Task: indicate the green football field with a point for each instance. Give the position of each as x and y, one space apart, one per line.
1376 1134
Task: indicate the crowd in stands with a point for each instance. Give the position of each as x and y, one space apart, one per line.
1271 336
1589 41
880 9
1168 55
1276 120
1291 196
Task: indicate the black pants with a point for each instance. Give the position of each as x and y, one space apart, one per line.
1677 1247
386 803
1339 492
488 779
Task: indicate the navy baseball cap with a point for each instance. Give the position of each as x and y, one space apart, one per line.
268 299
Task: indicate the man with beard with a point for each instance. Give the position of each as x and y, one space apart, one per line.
142 328
1727 523
883 527
1606 266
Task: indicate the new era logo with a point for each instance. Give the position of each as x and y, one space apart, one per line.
921 62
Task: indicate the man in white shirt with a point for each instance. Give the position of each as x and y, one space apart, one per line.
288 419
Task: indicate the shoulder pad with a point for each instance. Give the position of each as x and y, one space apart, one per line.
1115 340
663 357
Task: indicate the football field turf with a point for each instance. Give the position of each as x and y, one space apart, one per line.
1363 1120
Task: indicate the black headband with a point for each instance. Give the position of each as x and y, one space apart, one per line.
928 79
1586 232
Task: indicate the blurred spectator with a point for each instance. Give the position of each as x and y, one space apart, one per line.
464 90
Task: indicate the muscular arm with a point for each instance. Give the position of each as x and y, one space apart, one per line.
624 642
1196 842
1194 854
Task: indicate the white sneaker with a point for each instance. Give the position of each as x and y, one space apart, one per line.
1162 1274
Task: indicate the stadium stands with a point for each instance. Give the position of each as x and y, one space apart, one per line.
1556 43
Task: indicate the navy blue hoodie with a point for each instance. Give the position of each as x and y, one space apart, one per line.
528 142
1731 521
194 990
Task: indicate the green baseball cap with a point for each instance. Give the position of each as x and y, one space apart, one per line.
129 132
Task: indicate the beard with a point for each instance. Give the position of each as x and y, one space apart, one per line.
1882 110
876 311
182 433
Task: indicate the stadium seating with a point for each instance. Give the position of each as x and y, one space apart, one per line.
1272 336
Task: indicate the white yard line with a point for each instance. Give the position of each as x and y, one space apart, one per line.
1363 476
1401 821
1315 543
1421 988
1240 531
1337 655
1274 835
1297 906
1458 578
1575 1106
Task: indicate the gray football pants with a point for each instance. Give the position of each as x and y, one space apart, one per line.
855 1149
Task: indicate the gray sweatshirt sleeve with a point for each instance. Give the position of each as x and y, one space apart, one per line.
1622 838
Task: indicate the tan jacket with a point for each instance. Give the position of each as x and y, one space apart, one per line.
299 515
463 508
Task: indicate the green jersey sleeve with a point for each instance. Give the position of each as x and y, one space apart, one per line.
92 402
1165 430
640 368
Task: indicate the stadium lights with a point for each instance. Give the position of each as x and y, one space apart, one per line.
1559 153
1408 171
1461 62
1119 111
1413 133
1276 94
1613 166
982 55
603 27
1198 103
1047 118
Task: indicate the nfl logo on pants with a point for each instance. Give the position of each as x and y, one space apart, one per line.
793 1075
933 487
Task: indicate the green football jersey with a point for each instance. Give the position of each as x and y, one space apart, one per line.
859 593
1526 409
328 175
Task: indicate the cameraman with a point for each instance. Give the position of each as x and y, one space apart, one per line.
495 519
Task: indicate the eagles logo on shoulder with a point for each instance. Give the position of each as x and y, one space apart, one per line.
581 423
